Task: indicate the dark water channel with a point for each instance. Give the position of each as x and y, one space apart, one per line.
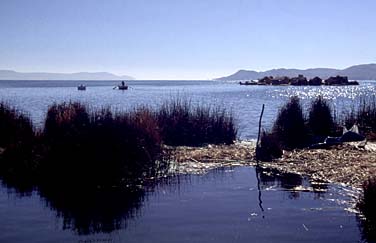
225 205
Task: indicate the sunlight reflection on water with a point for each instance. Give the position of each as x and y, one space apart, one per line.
244 102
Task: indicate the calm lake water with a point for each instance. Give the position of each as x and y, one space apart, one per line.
225 205
245 102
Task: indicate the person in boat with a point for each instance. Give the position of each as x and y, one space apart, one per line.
81 87
122 83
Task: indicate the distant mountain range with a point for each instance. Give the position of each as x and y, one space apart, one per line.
12 75
358 72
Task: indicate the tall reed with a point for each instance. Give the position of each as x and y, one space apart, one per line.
99 148
17 140
362 113
321 120
289 126
182 123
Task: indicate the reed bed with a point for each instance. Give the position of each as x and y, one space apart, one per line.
83 148
297 129
289 126
17 142
183 124
321 121
362 113
100 147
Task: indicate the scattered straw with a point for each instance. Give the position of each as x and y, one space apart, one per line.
347 164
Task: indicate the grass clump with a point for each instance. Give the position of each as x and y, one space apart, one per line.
15 127
289 126
321 121
17 140
181 123
364 115
99 148
292 129
367 207
269 147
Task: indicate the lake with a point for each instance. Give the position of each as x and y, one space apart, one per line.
244 102
239 204
224 205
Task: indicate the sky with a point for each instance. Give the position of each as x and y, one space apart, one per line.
184 39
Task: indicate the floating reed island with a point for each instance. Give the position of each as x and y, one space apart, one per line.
302 81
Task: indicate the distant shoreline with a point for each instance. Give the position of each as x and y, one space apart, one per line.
13 75
356 72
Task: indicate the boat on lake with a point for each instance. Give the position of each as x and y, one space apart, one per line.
81 87
122 86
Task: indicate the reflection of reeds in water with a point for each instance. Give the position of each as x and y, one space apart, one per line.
292 183
94 211
105 210
367 206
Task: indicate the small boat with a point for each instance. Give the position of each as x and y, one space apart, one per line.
122 86
81 87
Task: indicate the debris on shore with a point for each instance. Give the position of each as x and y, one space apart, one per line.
347 164
198 160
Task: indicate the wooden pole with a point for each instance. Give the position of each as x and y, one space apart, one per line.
259 132
258 168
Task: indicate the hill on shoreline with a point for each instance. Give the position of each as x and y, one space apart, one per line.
13 75
357 72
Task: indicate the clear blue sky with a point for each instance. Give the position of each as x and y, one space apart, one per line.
184 39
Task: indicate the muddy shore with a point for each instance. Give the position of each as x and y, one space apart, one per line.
348 164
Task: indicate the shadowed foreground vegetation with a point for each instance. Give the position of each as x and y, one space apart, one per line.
17 143
294 128
79 148
100 147
366 206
